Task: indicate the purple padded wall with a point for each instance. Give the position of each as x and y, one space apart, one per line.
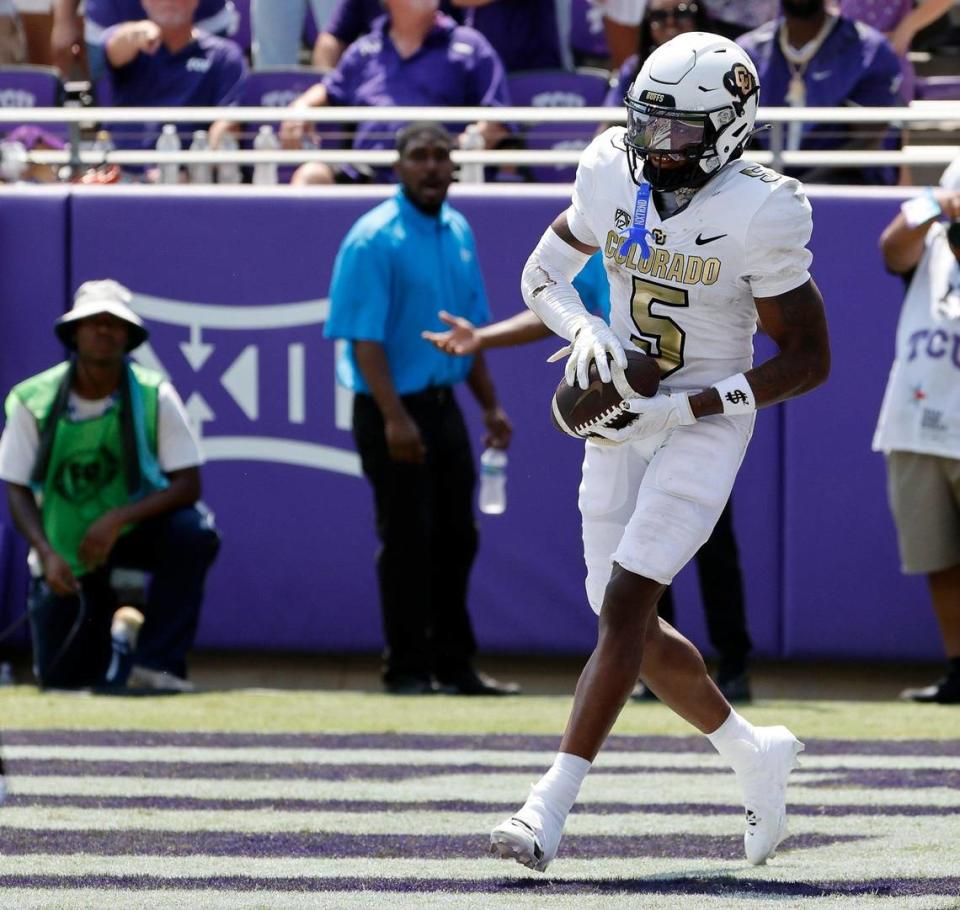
844 595
296 568
33 243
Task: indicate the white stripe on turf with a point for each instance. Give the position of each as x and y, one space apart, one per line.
425 823
716 789
336 900
395 757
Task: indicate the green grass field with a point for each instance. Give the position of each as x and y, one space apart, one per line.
302 799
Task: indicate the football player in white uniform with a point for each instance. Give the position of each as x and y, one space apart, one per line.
698 247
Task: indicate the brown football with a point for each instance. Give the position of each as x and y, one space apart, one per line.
576 411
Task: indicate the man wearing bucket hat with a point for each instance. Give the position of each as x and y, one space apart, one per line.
102 473
919 426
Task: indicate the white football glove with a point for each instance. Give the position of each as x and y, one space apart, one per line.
654 415
593 341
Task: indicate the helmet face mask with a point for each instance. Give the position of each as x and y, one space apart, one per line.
689 111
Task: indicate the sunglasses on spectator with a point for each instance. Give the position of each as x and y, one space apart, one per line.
683 11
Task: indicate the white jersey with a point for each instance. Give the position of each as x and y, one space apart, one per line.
691 303
921 406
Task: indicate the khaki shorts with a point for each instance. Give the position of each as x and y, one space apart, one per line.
924 493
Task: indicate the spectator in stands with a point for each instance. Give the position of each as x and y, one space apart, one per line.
277 29
13 42
415 56
899 20
919 425
218 17
350 20
731 18
164 61
663 20
523 32
102 471
813 57
400 263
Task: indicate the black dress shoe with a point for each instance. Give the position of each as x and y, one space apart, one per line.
409 685
642 693
735 689
470 682
945 692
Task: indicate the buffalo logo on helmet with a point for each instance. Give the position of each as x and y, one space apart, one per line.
740 82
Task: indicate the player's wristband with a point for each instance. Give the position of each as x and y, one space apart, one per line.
920 209
736 395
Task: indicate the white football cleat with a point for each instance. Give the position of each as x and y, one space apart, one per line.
763 780
527 838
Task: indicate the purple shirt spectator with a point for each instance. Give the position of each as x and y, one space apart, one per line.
455 66
854 66
208 72
351 19
523 32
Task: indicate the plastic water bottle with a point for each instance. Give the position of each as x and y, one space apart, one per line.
229 173
169 141
471 140
124 631
265 173
200 172
493 482
13 161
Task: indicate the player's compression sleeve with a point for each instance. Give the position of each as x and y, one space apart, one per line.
776 257
547 285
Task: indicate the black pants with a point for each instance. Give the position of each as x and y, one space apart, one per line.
428 536
721 587
177 548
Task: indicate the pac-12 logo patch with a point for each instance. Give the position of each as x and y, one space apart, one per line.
740 82
622 220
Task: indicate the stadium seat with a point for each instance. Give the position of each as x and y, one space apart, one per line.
938 88
558 88
31 86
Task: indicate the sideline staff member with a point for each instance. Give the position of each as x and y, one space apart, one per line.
102 470
400 263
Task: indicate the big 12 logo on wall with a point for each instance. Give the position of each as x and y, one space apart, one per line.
258 382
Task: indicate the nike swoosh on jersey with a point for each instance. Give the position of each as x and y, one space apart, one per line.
701 240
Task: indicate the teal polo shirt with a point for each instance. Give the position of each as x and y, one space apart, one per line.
395 270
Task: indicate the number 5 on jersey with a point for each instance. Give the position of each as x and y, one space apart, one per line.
658 336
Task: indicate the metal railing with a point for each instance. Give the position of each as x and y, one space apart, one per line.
939 115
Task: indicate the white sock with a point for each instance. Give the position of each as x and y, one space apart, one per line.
735 740
557 790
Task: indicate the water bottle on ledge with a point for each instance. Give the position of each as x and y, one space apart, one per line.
265 173
493 482
229 173
169 141
471 140
200 173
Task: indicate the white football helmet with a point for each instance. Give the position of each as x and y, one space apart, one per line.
692 108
